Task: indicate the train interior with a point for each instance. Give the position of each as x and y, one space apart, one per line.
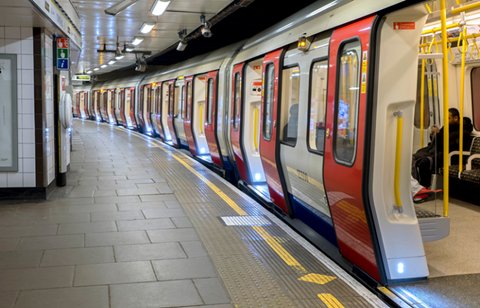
454 253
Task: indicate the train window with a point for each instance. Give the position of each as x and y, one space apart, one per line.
189 100
426 93
209 101
346 104
152 103
236 102
318 98
289 105
268 101
182 102
170 100
475 77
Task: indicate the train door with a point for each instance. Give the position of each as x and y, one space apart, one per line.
98 107
121 104
142 107
147 110
165 111
187 118
104 109
83 105
211 117
171 112
179 94
344 144
128 108
111 106
153 109
198 116
269 133
159 111
92 110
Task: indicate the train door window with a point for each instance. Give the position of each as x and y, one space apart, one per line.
475 77
170 100
182 100
210 101
318 98
159 100
346 105
236 102
289 105
426 106
189 100
152 100
268 101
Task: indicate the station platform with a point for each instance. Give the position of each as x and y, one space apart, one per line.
140 224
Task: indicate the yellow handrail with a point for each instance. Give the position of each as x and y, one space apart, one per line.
474 35
475 46
255 129
463 34
465 8
446 130
422 99
398 156
201 117
432 31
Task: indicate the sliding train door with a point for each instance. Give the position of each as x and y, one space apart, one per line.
171 112
187 118
344 144
159 110
211 117
269 134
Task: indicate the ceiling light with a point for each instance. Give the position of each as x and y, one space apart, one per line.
137 40
96 69
103 66
119 7
111 62
159 7
130 49
118 53
147 27
89 72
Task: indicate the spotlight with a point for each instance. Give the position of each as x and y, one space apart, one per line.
119 7
183 43
206 32
159 7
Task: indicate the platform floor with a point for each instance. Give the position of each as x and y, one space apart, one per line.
139 224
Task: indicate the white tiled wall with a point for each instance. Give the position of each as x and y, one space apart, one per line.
19 41
50 124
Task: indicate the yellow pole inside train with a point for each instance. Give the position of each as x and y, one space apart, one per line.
446 130
462 94
422 99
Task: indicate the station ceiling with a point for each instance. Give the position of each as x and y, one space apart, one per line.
241 22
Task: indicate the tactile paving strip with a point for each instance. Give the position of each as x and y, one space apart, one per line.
254 274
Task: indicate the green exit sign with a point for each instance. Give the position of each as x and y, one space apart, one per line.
62 53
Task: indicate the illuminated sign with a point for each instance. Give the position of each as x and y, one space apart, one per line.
81 77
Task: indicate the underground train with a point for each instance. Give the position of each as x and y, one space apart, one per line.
303 115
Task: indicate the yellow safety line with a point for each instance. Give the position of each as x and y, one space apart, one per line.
285 255
329 300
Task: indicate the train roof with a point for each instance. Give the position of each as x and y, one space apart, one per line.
124 82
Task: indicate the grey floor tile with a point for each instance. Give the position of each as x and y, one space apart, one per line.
73 201
110 216
137 206
105 193
21 231
51 242
85 187
36 278
164 213
213 306
63 218
145 224
81 193
153 185
115 186
112 273
150 198
194 249
184 269
43 210
112 177
116 238
87 297
211 291
76 256
92 208
173 204
121 199
89 178
138 191
20 259
156 294
99 184
87 227
8 244
149 252
157 179
175 235
129 173
149 180
182 222
7 299
16 220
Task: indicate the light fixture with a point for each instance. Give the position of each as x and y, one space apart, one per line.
103 66
89 72
96 69
206 32
129 49
141 65
137 40
183 43
120 6
257 176
118 53
303 43
147 27
159 7
111 62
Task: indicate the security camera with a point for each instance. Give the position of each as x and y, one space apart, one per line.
141 65
206 32
182 44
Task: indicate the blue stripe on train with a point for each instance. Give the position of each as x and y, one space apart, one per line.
319 222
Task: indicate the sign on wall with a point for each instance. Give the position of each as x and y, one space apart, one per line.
63 62
81 77
8 113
